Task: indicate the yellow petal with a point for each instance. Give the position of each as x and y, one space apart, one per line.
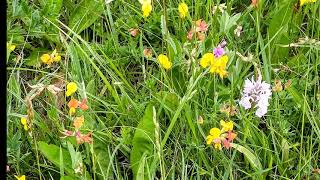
226 126
209 139
164 61
146 9
45 58
302 2
218 146
72 111
25 127
71 88
57 58
215 132
206 59
23 177
23 121
183 9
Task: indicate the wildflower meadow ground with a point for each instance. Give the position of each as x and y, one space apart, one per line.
163 89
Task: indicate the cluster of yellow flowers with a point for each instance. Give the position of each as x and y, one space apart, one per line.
224 135
50 58
164 61
146 7
217 65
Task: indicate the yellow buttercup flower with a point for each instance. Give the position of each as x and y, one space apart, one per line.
206 60
226 126
24 123
164 61
214 134
183 9
71 88
146 9
23 177
302 2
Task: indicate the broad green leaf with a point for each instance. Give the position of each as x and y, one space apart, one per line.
254 161
85 14
52 153
142 144
168 100
281 18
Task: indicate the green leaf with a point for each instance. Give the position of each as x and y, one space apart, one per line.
34 58
51 8
142 144
85 14
254 161
52 153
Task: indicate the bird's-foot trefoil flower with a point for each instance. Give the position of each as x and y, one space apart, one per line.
164 61
222 137
183 10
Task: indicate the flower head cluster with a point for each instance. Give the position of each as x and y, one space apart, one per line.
146 7
199 29
164 61
302 2
223 136
216 64
71 88
134 32
49 59
256 94
81 138
183 10
74 104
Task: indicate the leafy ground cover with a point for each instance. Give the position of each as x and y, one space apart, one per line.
164 89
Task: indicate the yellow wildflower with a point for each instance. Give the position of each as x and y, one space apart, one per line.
46 59
72 111
23 177
146 9
53 57
78 122
11 47
183 9
24 123
164 61
214 134
206 60
219 65
218 146
71 88
226 126
302 2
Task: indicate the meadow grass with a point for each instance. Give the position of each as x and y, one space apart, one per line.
146 121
